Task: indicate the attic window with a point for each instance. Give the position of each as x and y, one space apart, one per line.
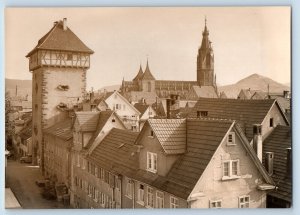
151 133
231 138
202 114
271 122
113 120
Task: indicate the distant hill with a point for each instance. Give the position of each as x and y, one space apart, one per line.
24 87
254 82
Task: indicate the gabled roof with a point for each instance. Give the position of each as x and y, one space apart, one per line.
137 96
171 133
87 120
223 95
59 39
147 74
103 118
141 107
259 95
245 112
278 142
116 152
62 130
205 91
159 109
203 139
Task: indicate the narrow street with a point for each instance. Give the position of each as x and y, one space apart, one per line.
21 179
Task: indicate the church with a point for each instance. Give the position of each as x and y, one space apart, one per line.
145 87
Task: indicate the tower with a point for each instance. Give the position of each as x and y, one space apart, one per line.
205 61
147 80
58 63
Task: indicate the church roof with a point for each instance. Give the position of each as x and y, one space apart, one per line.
147 74
59 39
139 75
205 91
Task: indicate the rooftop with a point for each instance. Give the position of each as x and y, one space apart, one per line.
87 120
61 129
59 39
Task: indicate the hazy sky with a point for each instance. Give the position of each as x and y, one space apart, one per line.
245 40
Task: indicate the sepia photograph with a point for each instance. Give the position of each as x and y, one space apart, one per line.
148 107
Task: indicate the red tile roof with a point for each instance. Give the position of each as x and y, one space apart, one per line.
278 142
58 39
87 120
245 112
61 129
117 152
171 133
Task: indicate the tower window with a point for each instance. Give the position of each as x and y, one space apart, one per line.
149 86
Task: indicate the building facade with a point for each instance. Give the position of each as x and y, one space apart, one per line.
58 63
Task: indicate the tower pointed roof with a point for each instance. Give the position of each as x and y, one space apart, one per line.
139 75
206 44
61 38
147 74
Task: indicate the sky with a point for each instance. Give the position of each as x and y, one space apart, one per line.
245 40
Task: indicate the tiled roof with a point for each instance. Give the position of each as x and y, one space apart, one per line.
159 109
137 96
147 74
103 117
139 75
205 91
278 142
88 120
117 152
58 39
260 95
141 107
203 138
61 129
171 133
245 112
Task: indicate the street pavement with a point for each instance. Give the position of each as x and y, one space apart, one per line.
21 179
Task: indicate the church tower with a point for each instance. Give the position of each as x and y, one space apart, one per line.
205 61
58 64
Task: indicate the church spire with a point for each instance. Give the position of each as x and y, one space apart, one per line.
205 40
147 74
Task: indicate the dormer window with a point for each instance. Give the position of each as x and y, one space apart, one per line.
202 114
152 162
231 138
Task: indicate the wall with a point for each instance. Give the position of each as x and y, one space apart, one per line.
277 120
151 144
214 188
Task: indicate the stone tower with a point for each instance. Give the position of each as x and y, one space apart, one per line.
58 63
205 61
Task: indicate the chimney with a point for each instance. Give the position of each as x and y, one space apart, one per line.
54 23
269 161
289 162
65 27
257 140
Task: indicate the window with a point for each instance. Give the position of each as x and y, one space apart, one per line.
271 122
151 133
152 162
102 199
231 138
173 202
159 199
69 57
230 169
129 187
102 173
244 201
96 196
106 177
89 190
216 204
96 171
78 160
83 163
141 193
113 120
150 199
202 114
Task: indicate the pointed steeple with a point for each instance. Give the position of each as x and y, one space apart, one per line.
206 44
139 75
147 74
